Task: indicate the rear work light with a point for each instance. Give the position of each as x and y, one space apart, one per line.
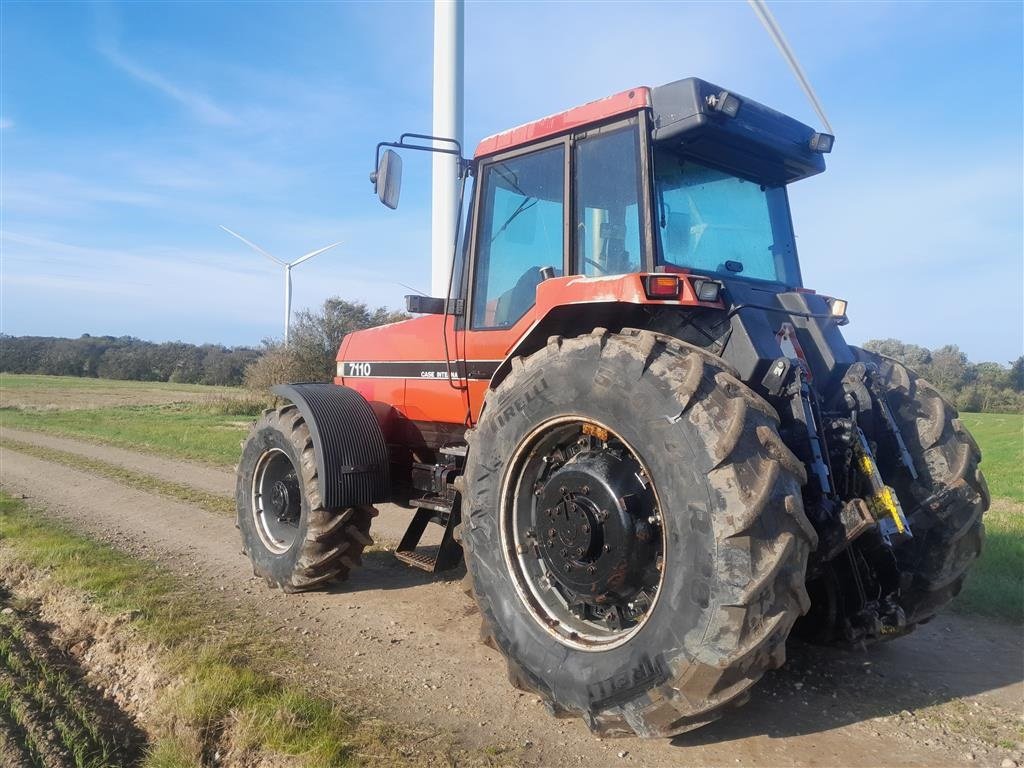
662 286
725 103
837 308
707 290
822 142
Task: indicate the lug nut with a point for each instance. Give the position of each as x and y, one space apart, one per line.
592 570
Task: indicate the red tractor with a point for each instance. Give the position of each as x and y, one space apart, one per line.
646 437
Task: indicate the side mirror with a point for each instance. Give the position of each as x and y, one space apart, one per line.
387 179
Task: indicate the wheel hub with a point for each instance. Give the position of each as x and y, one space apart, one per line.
276 500
591 536
587 532
285 503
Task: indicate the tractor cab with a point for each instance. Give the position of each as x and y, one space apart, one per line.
686 176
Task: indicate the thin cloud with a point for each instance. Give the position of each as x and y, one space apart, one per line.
198 104
6 123
201 106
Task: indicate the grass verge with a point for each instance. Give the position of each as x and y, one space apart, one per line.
226 697
211 502
995 584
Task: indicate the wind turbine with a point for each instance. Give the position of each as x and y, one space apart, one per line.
287 273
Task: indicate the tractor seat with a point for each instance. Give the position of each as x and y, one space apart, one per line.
514 303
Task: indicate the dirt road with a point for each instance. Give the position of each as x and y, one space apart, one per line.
404 643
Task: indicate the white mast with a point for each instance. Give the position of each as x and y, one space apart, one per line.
448 66
287 273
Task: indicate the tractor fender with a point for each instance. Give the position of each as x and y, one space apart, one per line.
351 455
568 320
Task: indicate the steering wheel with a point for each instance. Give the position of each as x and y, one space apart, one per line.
596 266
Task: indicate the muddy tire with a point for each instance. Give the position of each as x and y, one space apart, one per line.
947 501
292 541
734 539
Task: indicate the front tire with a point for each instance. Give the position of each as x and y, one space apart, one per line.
293 542
725 506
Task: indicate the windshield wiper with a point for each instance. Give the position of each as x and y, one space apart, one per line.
526 205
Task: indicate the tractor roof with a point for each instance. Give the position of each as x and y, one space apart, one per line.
552 125
756 141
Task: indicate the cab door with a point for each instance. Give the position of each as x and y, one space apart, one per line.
576 205
520 228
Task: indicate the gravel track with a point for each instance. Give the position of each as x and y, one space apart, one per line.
403 643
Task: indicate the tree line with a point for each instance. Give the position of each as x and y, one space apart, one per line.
315 338
977 387
125 357
317 334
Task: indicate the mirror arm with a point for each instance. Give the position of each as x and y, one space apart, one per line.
402 143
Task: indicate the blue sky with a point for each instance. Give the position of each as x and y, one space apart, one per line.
130 131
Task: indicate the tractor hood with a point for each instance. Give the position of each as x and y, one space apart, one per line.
757 142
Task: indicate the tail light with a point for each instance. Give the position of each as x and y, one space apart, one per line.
662 286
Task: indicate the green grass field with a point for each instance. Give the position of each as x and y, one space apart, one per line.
1001 438
995 584
14 382
209 433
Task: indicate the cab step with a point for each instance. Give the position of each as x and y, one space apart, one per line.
438 511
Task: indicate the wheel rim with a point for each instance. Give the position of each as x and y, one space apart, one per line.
276 501
583 533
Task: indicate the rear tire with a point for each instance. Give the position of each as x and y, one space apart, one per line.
946 501
293 542
735 538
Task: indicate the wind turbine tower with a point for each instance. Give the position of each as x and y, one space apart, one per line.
287 272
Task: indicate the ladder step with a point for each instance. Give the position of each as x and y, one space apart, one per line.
420 560
442 557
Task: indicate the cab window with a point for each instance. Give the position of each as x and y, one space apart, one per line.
607 216
713 221
521 231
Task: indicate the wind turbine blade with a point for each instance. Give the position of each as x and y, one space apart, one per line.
775 32
254 246
310 255
409 287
